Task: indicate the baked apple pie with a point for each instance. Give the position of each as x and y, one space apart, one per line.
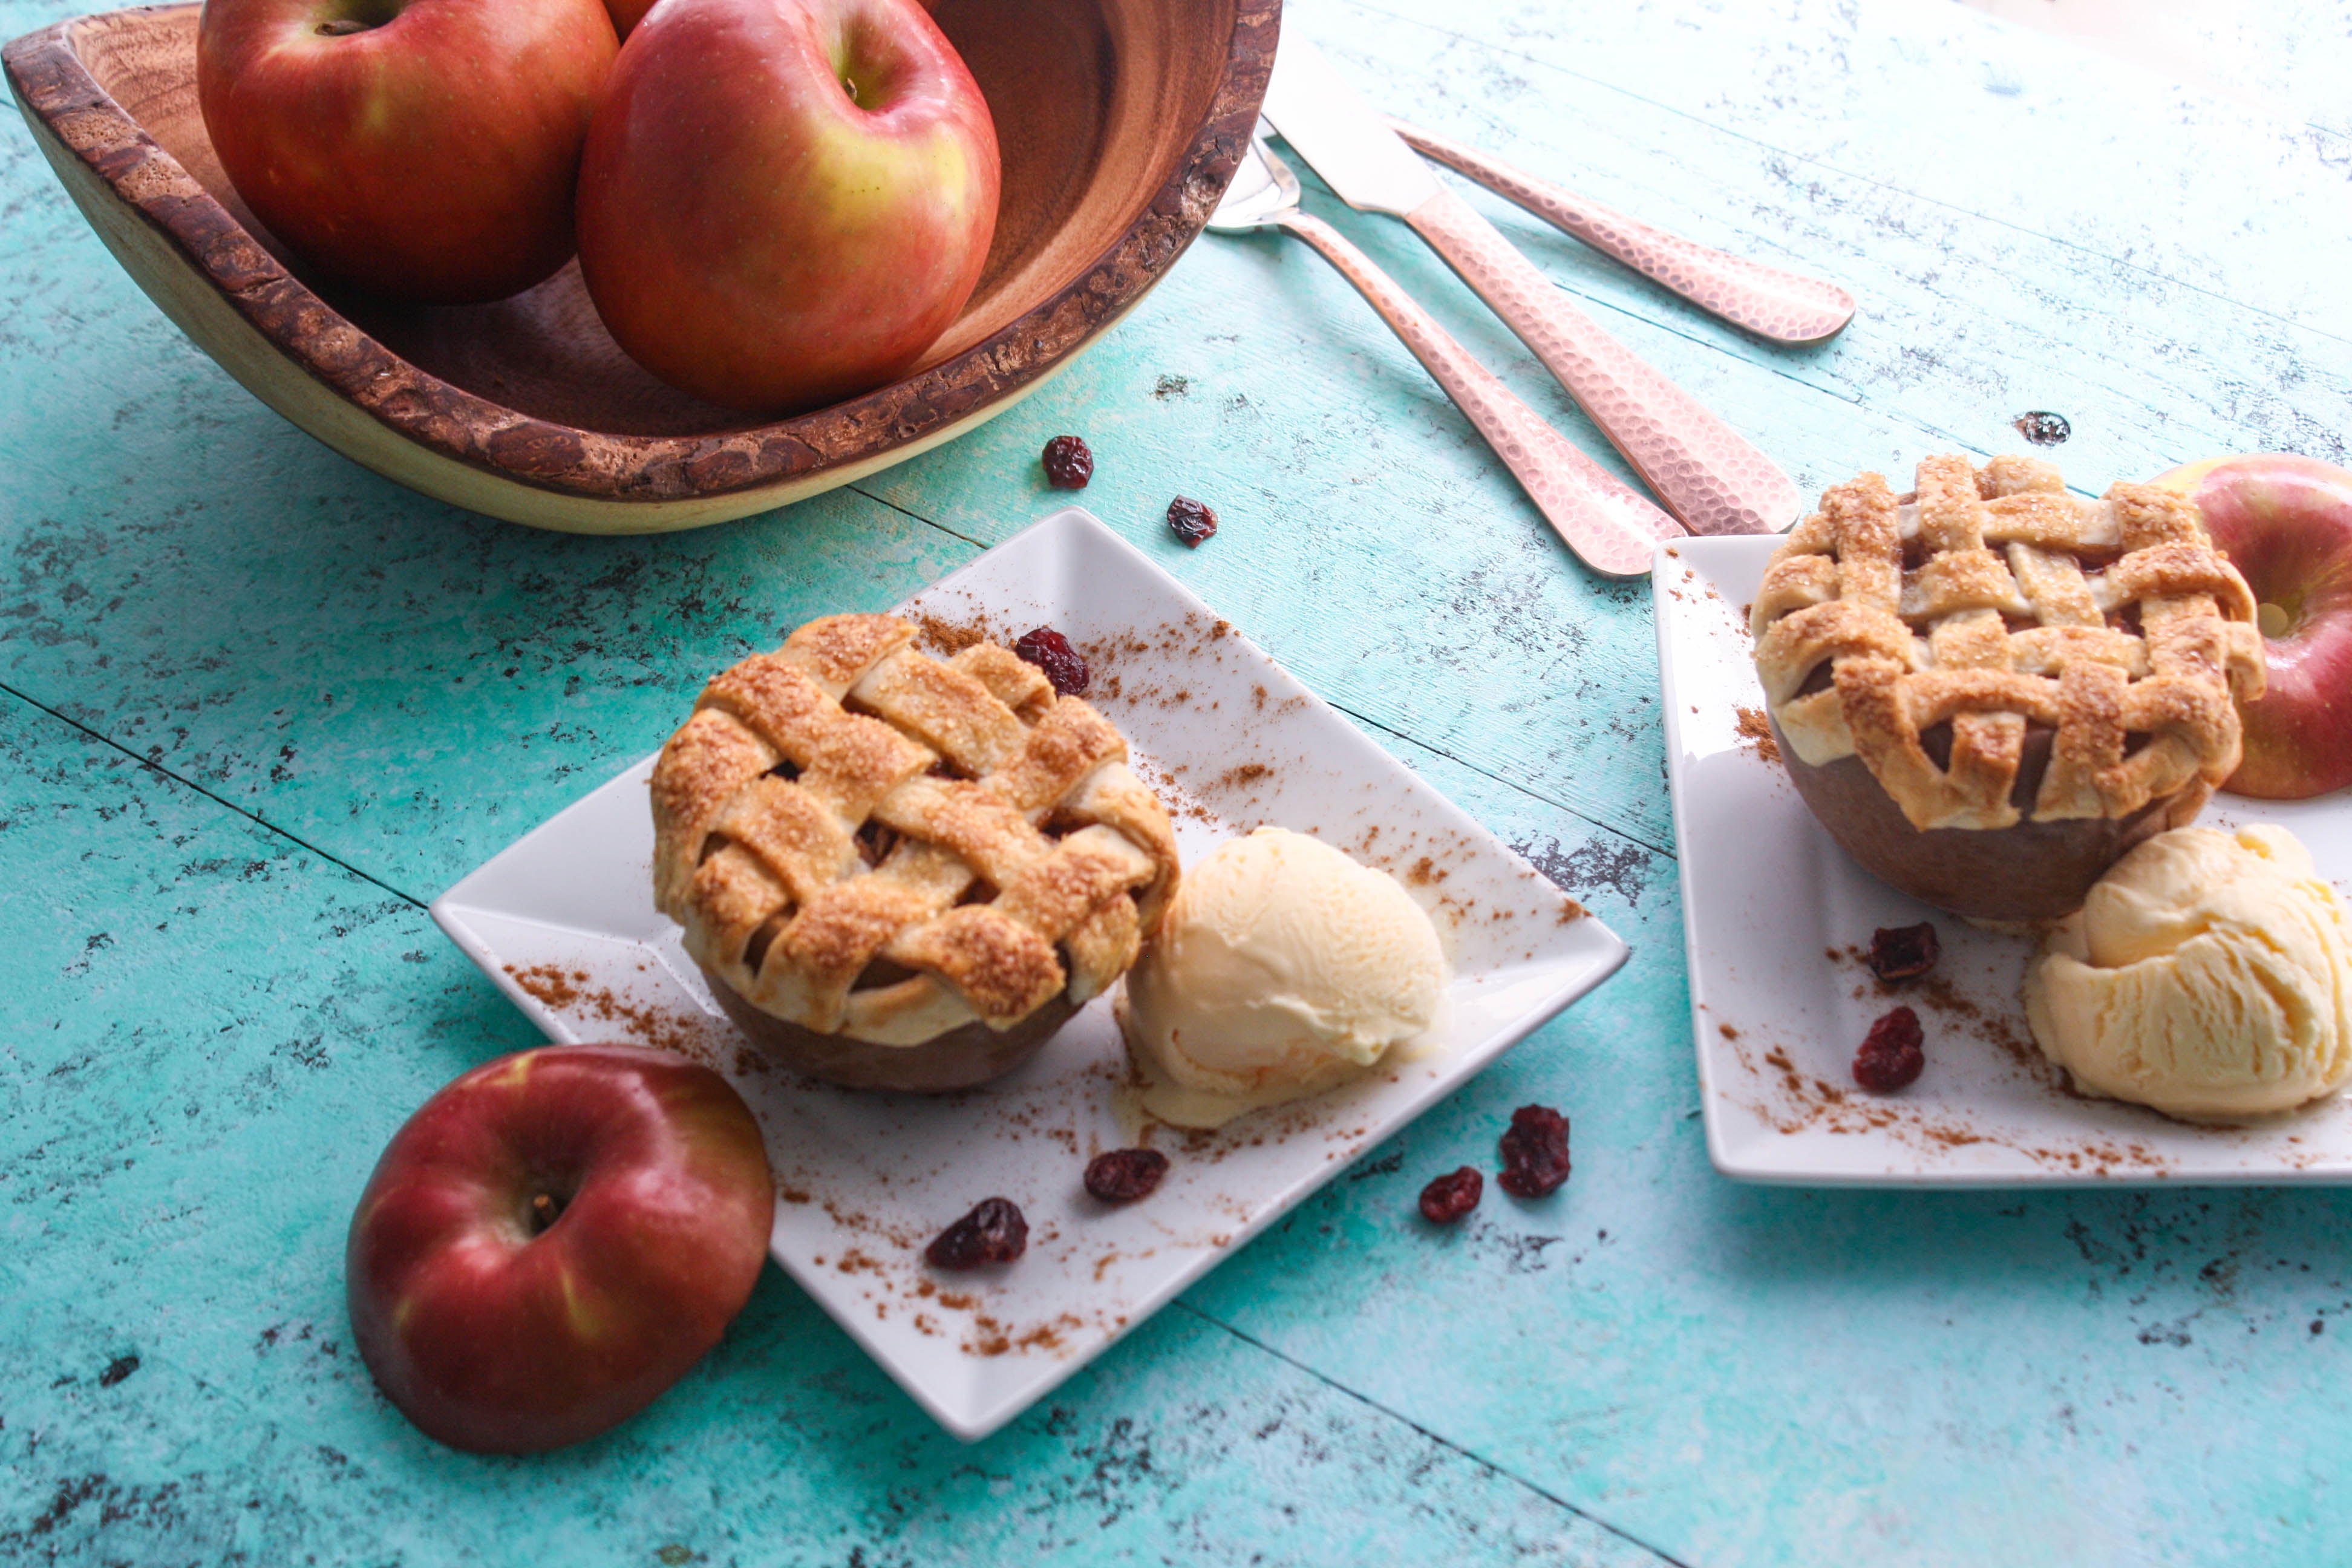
902 872
1987 690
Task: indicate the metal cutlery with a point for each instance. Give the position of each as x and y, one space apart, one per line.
1708 475
1610 527
1786 307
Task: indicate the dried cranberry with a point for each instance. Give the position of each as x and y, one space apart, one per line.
1193 521
1448 1198
1050 651
1124 1175
1069 464
1902 953
993 1232
1535 1152
2043 427
1890 1055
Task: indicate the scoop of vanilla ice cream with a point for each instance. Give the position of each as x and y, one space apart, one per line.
2209 975
1282 967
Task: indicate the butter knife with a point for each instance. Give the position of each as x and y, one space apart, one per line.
1708 475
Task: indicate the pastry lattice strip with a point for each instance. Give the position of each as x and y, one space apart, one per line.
846 745
1992 602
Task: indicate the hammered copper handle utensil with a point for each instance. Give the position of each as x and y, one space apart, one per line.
1786 307
1708 475
1609 526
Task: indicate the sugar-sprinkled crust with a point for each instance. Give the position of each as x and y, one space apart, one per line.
1993 600
952 833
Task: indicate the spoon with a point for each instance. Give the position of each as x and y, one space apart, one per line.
1786 307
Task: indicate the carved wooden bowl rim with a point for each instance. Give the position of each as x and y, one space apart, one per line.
54 85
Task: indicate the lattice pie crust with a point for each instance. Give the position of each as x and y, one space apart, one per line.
868 842
1992 599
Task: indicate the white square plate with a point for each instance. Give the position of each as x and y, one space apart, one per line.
1776 919
563 922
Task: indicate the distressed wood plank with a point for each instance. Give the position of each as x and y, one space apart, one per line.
1956 107
1755 1375
2242 52
1732 1376
1370 540
209 1033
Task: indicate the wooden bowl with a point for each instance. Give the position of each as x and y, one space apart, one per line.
1120 122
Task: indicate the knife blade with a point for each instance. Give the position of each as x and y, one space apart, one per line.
1333 128
1708 475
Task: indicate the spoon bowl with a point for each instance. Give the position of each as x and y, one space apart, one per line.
1263 193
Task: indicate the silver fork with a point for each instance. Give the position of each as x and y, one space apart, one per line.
1610 528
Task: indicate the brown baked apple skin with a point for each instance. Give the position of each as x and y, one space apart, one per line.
2032 871
962 1059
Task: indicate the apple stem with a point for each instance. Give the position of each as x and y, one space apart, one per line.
544 1211
850 86
342 27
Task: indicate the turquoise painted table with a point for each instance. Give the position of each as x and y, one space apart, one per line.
260 706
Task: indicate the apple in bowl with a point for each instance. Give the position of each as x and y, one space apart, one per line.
553 1239
423 150
2286 523
784 203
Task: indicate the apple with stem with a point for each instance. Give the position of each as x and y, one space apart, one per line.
2286 523
553 1239
423 150
784 203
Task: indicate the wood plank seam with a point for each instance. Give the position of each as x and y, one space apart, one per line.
980 544
1437 1437
1362 722
261 822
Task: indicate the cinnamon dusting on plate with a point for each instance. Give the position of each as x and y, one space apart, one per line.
1805 1101
1755 731
568 990
954 636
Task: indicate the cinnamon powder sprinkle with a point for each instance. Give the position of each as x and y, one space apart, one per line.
1756 729
568 990
1806 1101
952 637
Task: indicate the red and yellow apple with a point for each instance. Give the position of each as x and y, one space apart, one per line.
2285 522
784 203
553 1239
423 150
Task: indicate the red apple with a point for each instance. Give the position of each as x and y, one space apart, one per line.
553 1240
423 150
785 202
2285 522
